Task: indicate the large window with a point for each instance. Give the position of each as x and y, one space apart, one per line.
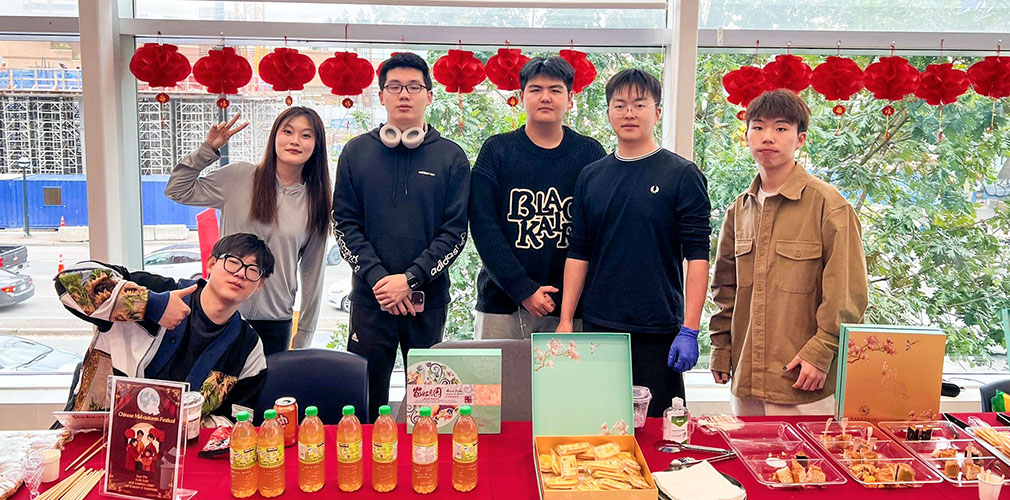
935 220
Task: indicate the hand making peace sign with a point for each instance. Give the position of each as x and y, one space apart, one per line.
220 133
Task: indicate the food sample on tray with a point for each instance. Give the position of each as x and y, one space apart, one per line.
919 433
861 452
583 467
711 424
967 470
1000 440
796 473
888 473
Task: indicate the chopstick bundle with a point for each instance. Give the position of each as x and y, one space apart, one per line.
100 440
75 486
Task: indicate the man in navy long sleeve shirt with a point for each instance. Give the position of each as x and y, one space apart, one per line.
637 215
520 207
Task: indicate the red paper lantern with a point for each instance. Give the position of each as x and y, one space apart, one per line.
346 73
379 69
941 84
286 69
503 68
744 84
459 71
787 72
222 71
837 78
585 71
159 65
991 77
891 78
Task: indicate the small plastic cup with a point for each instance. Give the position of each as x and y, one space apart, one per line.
641 396
50 465
989 486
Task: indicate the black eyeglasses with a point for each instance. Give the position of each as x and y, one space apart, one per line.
412 88
233 264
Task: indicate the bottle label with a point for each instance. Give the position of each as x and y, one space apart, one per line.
464 453
384 453
349 452
310 453
270 456
243 459
425 454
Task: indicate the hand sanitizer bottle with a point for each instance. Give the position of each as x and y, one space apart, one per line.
675 422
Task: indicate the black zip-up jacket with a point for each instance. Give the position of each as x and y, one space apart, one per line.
399 209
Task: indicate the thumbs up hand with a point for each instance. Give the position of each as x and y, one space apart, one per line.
177 310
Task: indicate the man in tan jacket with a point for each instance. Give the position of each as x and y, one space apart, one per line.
789 271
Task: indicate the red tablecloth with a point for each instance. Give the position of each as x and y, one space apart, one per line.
505 466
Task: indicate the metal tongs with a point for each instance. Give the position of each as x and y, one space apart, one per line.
675 447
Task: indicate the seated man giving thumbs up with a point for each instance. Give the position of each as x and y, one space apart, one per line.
150 326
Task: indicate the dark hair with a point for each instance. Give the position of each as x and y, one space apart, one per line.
315 175
780 104
636 80
552 68
244 245
404 60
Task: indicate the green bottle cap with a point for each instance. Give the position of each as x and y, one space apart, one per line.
270 414
385 410
311 411
425 411
242 416
348 410
464 410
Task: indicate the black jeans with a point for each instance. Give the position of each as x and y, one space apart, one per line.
648 366
275 334
374 334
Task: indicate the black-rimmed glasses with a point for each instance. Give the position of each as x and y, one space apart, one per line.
233 264
412 88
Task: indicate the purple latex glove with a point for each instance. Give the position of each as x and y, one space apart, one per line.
684 350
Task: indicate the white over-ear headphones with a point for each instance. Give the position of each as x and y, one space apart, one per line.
393 137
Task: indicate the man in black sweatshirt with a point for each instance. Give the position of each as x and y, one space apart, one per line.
399 211
520 207
637 215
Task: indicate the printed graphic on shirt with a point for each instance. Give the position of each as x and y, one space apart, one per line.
540 216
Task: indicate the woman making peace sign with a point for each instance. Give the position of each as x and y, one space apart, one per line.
285 200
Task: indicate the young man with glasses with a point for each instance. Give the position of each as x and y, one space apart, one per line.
637 215
399 212
520 207
789 271
150 326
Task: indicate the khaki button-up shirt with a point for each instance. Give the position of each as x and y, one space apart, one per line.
787 275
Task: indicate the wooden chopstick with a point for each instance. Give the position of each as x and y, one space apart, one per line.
100 448
93 445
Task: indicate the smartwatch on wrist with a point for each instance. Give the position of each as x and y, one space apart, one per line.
412 280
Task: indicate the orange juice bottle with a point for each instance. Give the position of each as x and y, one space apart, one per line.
349 467
384 434
464 451
270 452
424 473
244 472
311 467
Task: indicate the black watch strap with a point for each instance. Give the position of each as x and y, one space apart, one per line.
412 280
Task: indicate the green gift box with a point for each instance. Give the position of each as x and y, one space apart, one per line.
446 379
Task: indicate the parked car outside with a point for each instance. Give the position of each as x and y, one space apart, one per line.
15 288
180 261
18 354
338 294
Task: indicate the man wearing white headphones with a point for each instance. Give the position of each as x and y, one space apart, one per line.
400 219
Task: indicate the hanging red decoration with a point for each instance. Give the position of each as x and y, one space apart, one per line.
837 78
585 71
346 74
887 111
838 110
741 115
347 103
459 71
787 72
159 65
379 68
503 68
513 101
991 77
744 84
285 69
222 72
891 78
941 84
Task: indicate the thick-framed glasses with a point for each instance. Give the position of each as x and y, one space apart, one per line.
412 88
233 264
622 109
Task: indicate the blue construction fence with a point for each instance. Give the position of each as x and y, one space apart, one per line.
41 79
70 191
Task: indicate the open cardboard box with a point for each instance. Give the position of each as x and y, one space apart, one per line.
581 386
543 444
